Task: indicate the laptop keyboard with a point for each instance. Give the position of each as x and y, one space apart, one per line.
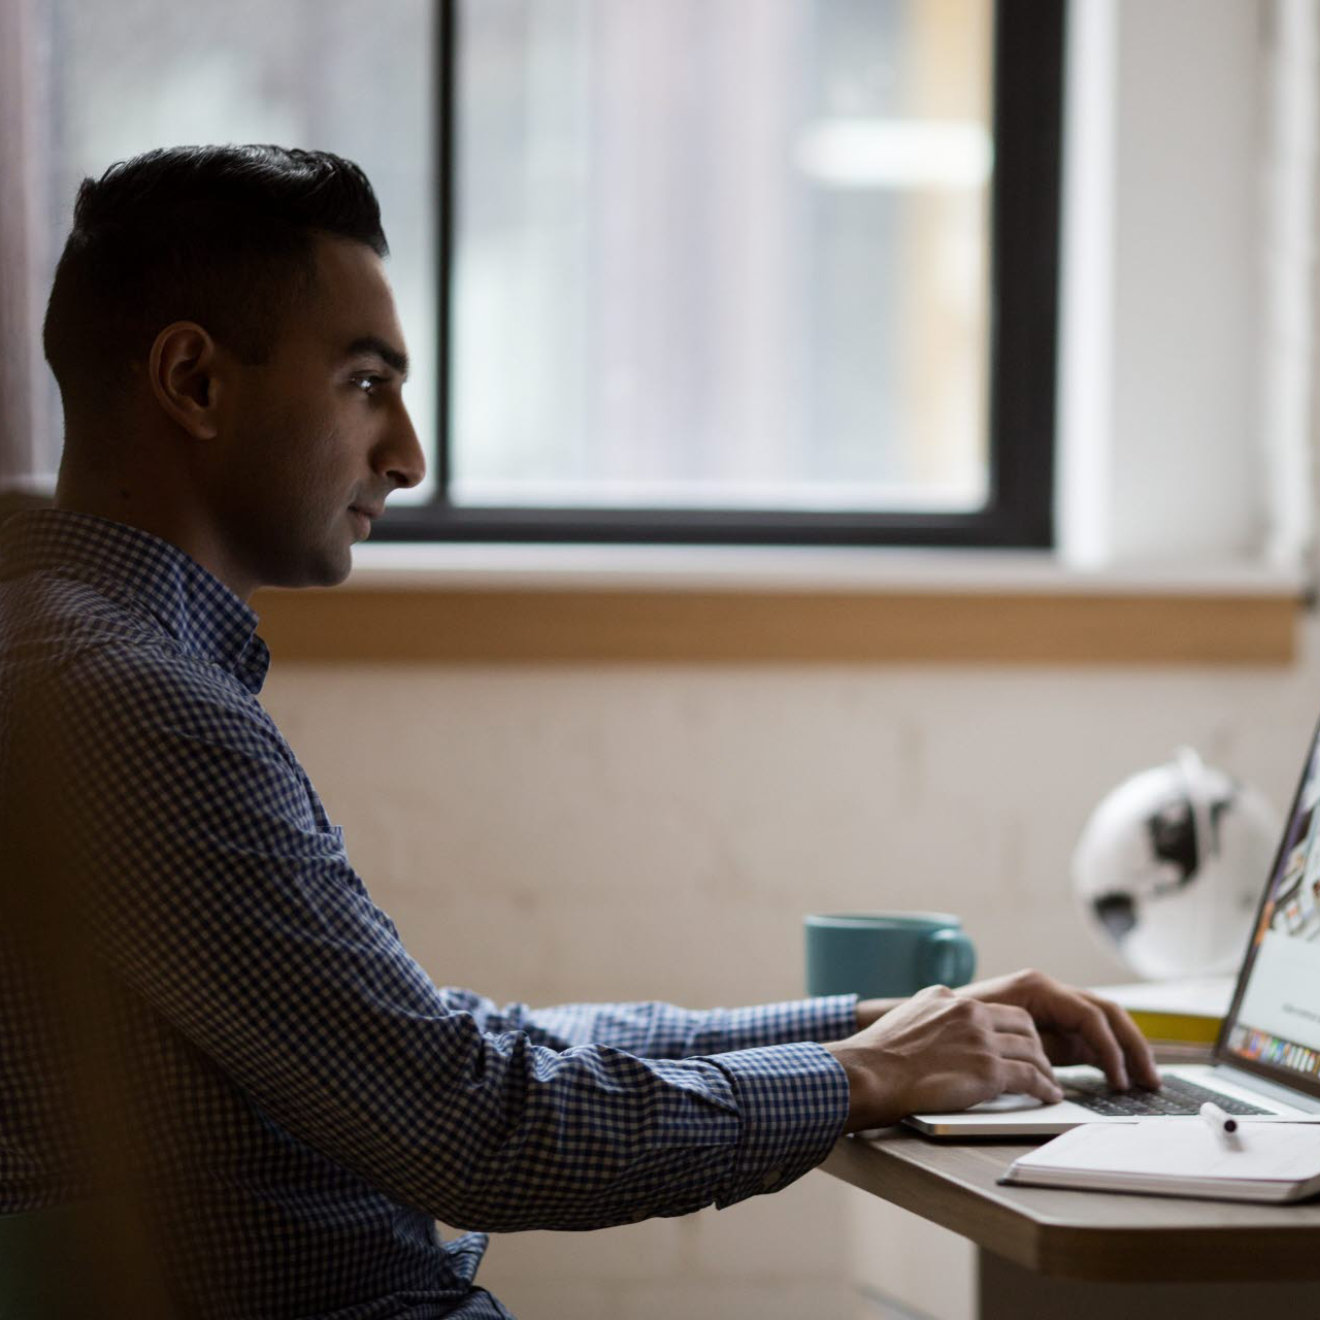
1176 1096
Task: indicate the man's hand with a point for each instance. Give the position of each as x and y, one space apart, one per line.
941 1050
925 1054
1076 1026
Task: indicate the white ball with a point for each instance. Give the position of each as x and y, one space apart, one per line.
1171 865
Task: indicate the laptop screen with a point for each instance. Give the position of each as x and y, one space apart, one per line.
1273 1027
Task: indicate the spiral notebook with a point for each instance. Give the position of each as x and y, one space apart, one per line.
1261 1161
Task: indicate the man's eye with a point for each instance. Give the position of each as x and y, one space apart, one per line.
368 383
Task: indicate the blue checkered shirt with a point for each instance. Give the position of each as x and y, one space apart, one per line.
301 1102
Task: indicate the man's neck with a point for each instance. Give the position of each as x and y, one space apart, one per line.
171 519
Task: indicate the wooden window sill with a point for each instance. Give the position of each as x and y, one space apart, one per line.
550 609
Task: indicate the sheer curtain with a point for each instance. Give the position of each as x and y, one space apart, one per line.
27 440
1290 177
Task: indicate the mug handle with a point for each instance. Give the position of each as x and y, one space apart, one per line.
948 958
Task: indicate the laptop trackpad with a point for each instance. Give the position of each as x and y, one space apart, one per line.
1011 1102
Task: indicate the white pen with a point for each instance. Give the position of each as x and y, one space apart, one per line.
1219 1121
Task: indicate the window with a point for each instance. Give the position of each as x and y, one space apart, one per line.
745 270
122 78
688 270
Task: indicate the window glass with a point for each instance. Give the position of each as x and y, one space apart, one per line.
722 253
329 74
708 253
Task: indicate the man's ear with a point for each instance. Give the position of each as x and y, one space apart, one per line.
181 371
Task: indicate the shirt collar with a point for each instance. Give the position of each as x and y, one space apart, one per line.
146 575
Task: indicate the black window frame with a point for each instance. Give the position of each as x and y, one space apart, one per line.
1023 323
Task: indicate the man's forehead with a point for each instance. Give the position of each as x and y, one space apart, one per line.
352 304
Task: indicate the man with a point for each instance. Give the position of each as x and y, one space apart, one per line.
208 1028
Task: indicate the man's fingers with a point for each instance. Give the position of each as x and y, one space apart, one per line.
1082 1024
1027 1080
1024 1049
1116 1043
1064 1047
1017 1040
1072 1011
1134 1045
1120 1049
1012 1018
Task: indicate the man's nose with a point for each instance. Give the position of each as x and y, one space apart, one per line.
402 458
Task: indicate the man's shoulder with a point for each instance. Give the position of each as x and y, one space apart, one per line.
49 614
74 653
137 731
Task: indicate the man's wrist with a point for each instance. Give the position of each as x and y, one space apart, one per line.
869 1105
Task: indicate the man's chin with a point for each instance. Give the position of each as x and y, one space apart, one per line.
332 574
329 571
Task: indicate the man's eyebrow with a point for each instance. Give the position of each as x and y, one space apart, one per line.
391 356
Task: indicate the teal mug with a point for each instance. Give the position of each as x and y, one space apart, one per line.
886 955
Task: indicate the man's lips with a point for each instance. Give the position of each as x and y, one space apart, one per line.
364 516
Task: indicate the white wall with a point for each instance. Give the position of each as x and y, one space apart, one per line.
645 833
1164 446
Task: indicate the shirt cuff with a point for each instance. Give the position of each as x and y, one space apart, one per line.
793 1103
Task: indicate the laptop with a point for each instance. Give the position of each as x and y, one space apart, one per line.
1266 1061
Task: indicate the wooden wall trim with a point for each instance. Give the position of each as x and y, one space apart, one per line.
503 626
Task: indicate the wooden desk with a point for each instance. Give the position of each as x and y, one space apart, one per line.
1044 1254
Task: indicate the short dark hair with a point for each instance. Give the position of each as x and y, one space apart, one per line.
220 235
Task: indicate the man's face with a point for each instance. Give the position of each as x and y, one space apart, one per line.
314 439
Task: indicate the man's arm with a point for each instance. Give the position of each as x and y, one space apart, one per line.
663 1031
214 894
1074 1026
